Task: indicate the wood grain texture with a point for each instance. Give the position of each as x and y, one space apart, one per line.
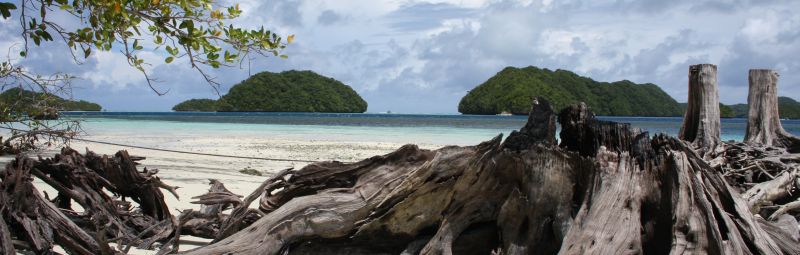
701 123
606 189
763 119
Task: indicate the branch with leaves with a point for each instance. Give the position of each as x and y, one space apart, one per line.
198 30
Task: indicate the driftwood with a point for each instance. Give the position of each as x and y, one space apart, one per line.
41 223
763 119
701 124
606 189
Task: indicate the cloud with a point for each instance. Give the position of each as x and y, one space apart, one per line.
329 17
422 56
425 16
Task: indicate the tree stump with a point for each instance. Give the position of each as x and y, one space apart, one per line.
763 118
606 189
701 124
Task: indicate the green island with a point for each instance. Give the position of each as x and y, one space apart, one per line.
288 91
511 90
788 108
18 100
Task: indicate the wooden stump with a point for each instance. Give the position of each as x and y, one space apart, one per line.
763 119
607 189
701 124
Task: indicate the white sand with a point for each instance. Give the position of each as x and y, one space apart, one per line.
191 172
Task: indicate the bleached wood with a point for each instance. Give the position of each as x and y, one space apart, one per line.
763 118
701 123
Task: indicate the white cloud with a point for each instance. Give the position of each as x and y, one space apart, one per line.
422 56
112 70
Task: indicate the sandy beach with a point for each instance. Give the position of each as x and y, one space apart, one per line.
192 172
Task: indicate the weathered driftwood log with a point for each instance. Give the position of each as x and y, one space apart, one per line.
242 216
206 221
768 178
36 221
763 118
41 223
701 124
607 189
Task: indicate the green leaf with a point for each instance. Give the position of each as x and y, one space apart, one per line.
4 9
22 54
136 45
169 60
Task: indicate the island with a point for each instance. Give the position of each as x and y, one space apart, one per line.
24 101
288 91
788 108
511 90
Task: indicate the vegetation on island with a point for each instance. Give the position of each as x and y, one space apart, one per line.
511 90
289 91
788 108
196 105
19 101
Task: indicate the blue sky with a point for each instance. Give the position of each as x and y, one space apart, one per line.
414 56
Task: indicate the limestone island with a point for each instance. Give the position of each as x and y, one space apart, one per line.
40 105
511 90
288 91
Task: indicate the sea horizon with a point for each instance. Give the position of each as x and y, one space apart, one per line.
440 129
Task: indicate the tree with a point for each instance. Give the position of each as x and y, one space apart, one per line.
197 30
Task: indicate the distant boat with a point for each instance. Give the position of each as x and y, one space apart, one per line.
504 113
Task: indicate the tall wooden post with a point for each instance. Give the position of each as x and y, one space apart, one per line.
763 119
701 123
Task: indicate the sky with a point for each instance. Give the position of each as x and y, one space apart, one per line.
413 56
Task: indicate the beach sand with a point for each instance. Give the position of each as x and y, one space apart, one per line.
192 172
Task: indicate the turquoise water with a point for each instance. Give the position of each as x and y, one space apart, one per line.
431 129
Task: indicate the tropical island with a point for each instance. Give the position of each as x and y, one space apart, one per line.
510 90
788 107
20 100
288 91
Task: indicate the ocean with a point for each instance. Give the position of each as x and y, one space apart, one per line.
367 127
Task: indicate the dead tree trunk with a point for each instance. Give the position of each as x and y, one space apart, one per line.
763 119
606 189
701 124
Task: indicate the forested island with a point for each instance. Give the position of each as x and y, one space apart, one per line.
288 91
511 90
24 101
788 107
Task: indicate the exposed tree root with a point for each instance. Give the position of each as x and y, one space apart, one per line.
606 190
